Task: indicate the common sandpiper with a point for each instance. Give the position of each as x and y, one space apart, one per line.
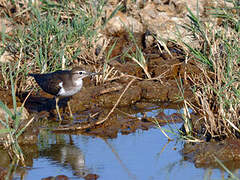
62 83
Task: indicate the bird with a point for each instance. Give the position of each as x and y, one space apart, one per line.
62 83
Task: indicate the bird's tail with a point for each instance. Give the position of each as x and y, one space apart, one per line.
30 74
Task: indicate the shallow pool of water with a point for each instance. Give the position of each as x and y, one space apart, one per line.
144 155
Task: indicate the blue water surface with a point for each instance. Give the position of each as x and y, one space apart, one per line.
143 155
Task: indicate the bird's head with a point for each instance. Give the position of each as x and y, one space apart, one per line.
79 73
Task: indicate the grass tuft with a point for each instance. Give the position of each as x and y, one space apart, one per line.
217 88
12 129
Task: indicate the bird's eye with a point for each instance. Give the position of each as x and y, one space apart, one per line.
80 72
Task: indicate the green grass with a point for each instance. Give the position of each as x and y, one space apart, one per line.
216 88
50 36
12 129
55 36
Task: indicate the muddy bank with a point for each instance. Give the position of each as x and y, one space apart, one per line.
205 154
106 96
123 120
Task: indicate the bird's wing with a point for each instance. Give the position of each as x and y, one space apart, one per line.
53 86
48 82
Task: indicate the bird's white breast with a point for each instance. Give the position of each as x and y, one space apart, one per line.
71 91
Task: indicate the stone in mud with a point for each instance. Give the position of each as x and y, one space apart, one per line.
91 177
154 91
205 154
160 19
121 23
166 67
129 68
59 177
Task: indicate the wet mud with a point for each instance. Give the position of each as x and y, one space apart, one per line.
204 155
123 120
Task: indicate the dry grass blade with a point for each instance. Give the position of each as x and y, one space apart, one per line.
142 64
120 97
160 127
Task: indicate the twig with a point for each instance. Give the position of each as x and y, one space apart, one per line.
27 97
131 76
99 122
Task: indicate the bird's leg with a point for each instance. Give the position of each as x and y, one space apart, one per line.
69 107
57 108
